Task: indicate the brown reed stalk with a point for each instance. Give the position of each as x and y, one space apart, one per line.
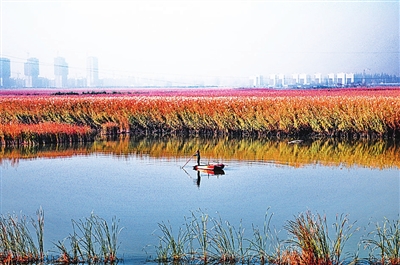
311 237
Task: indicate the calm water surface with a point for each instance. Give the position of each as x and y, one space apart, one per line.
145 188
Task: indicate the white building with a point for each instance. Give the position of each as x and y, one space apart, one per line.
305 79
318 79
277 80
301 79
332 79
345 78
296 78
257 81
60 72
92 71
349 78
31 71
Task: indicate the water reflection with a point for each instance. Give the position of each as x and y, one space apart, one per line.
143 182
329 152
203 173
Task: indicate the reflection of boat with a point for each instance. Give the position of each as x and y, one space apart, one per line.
212 172
210 167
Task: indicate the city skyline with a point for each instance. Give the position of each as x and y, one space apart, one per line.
32 78
203 39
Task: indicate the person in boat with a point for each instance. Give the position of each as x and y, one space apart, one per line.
198 157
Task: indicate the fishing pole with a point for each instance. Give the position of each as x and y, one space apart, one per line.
186 162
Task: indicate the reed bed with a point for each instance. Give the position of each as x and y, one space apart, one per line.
207 240
385 241
329 113
313 245
16 134
93 241
17 246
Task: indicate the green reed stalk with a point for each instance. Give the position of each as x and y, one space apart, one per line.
16 240
65 257
198 230
87 240
39 227
386 240
228 242
170 247
93 240
343 231
107 237
262 241
76 252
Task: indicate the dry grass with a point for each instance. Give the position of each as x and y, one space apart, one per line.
350 112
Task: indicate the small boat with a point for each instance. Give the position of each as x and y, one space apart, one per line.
212 167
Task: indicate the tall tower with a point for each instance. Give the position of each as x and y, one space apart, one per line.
92 77
5 72
60 72
31 71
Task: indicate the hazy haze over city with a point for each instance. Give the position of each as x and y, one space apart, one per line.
203 38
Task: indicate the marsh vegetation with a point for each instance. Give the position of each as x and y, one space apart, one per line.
204 239
339 113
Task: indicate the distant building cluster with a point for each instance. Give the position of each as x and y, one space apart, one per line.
31 78
320 80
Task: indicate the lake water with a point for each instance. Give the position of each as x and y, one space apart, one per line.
142 183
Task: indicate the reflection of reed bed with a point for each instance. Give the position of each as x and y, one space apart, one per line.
328 113
210 240
332 152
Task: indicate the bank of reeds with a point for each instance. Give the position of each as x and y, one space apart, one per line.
93 240
354 112
204 239
17 246
16 134
385 241
312 244
211 240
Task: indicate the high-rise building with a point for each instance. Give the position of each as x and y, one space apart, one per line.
92 77
60 72
332 79
318 78
31 71
257 81
5 72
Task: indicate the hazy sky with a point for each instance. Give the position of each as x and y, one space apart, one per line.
203 38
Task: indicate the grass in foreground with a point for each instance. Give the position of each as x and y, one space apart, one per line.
17 246
92 241
386 241
205 240
210 240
